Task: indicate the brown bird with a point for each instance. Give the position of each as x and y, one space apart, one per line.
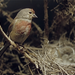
20 28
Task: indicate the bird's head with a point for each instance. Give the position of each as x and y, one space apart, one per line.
26 13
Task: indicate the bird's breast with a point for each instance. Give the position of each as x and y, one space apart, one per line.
22 27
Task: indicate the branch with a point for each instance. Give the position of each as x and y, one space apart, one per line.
46 28
19 48
6 37
6 14
56 7
10 13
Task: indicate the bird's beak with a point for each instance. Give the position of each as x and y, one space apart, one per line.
34 16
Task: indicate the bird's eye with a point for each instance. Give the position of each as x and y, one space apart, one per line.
30 12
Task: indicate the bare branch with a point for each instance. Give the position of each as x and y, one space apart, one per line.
6 37
46 28
10 13
6 14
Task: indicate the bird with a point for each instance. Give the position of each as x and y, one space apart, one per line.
20 28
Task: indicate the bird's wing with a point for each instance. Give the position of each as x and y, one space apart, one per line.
10 27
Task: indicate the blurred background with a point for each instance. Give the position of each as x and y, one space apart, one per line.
37 5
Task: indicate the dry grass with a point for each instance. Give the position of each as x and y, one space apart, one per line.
57 58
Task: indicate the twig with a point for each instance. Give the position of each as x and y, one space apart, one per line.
14 11
6 14
6 37
33 48
3 49
37 27
2 4
30 70
7 44
1 1
61 68
31 60
55 7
